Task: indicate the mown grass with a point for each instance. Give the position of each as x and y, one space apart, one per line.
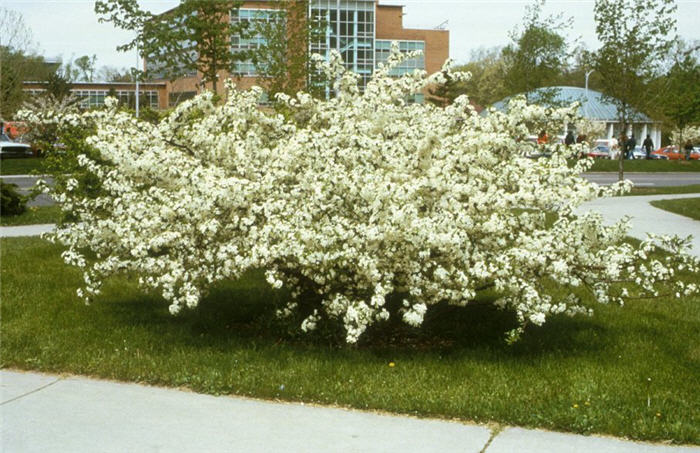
33 215
604 165
688 207
691 188
582 374
20 166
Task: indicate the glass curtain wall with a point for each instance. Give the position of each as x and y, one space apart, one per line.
255 41
383 50
350 29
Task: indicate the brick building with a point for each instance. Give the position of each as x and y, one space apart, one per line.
361 30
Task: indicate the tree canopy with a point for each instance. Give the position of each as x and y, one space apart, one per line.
539 51
195 36
635 35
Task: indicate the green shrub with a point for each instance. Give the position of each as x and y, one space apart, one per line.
12 202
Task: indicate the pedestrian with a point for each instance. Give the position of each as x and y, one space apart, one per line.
629 147
648 145
569 139
688 149
542 139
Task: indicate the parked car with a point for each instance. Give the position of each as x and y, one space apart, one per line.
611 144
9 148
638 153
668 153
599 152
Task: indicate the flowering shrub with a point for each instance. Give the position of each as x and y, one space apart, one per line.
349 200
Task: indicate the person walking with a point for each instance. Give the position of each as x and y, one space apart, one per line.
688 149
629 147
569 139
648 145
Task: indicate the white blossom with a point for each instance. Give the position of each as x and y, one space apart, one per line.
353 198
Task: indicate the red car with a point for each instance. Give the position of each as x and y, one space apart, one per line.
668 153
599 152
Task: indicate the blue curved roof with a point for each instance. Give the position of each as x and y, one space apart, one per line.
593 106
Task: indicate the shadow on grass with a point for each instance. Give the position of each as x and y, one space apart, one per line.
244 312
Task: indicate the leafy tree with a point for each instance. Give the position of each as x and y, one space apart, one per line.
487 83
286 67
635 35
86 66
112 74
538 54
575 74
17 63
194 36
18 67
58 86
681 101
444 94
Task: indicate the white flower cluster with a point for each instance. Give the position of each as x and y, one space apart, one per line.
353 199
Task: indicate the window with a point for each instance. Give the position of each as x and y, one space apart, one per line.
90 99
349 30
383 50
239 44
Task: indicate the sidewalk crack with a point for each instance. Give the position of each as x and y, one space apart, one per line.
29 393
496 429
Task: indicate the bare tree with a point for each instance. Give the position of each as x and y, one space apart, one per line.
14 32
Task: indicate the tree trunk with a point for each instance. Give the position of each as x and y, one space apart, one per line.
620 159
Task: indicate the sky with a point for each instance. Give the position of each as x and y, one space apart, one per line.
67 29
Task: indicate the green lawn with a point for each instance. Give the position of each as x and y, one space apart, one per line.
33 216
692 188
20 166
646 165
689 207
573 374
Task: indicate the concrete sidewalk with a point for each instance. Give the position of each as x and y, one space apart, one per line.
50 413
26 230
646 218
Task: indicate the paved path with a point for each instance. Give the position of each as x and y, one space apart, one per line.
647 218
26 230
50 413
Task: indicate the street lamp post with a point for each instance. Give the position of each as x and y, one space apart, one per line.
136 76
585 108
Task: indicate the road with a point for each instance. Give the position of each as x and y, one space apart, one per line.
24 184
647 179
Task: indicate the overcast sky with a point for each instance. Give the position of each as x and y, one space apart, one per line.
69 28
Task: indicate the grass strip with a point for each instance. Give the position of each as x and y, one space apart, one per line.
660 166
33 215
20 166
688 207
586 375
668 190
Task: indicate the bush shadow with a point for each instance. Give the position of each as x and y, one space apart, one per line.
244 311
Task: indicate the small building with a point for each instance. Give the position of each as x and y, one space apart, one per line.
595 108
93 94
